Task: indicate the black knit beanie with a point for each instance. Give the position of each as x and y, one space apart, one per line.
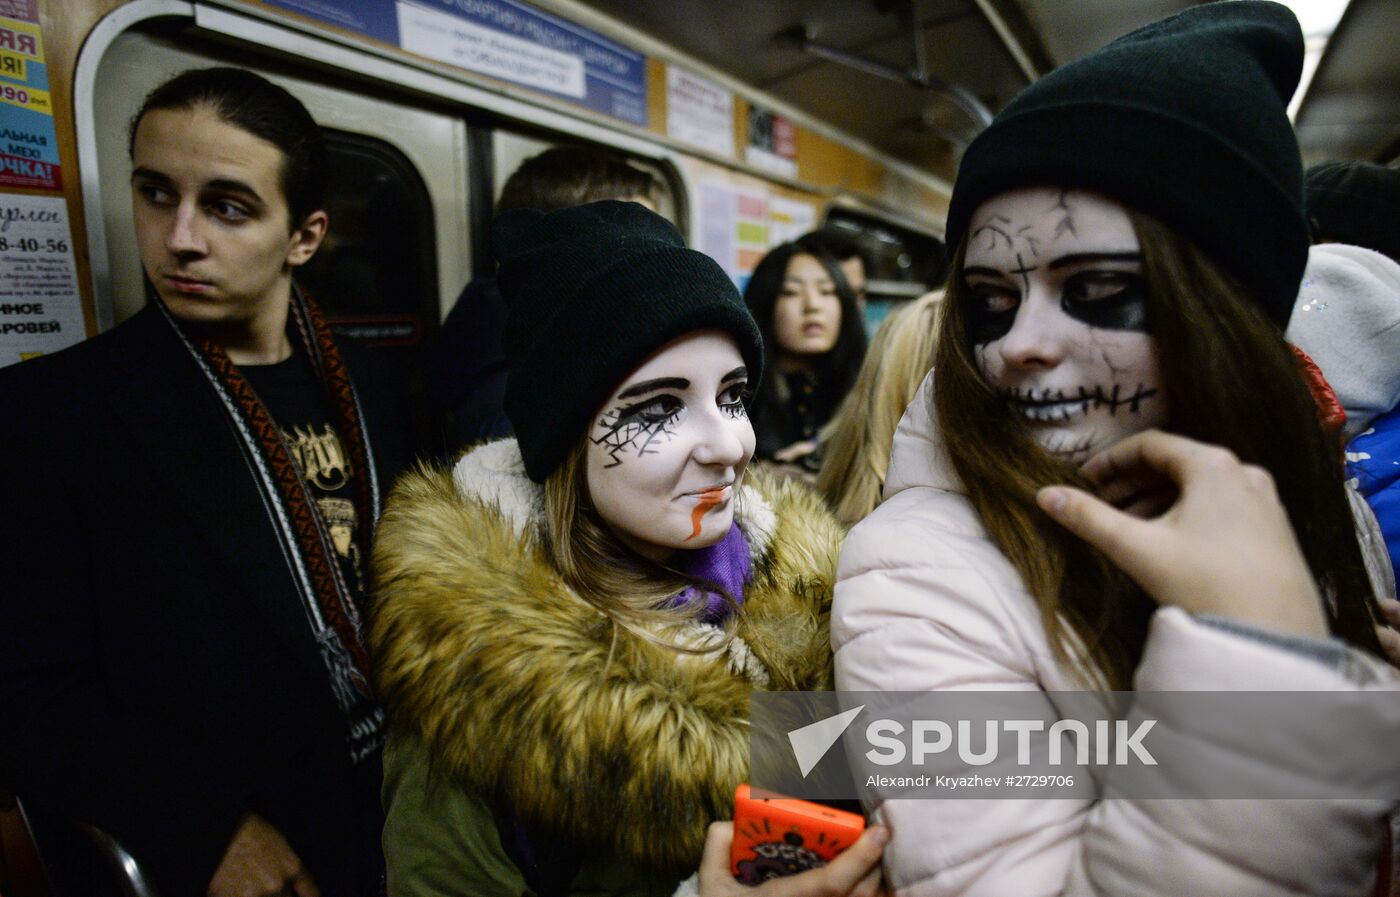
1356 203
1184 119
592 291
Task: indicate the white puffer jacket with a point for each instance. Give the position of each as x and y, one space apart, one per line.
925 601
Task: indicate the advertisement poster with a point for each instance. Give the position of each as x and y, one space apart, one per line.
699 111
772 142
40 311
502 39
734 227
789 219
28 147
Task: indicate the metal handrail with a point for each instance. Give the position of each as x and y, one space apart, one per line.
128 875
131 878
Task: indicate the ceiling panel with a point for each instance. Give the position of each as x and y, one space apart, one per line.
1069 29
1352 110
914 124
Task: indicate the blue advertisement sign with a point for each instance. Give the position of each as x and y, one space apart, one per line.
372 18
503 39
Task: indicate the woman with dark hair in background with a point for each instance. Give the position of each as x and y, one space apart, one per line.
813 344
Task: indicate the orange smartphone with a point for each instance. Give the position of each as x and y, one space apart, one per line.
776 836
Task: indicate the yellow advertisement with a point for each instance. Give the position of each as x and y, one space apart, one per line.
25 97
22 38
12 65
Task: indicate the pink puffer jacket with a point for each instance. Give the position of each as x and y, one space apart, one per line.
924 601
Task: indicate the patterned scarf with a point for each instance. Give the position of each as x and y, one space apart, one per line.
327 600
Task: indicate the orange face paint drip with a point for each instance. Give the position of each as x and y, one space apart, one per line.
707 501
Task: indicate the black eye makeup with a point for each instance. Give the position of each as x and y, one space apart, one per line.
637 427
991 310
1103 298
1108 300
733 400
659 409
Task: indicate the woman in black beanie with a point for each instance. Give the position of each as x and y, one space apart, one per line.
813 341
1128 238
567 625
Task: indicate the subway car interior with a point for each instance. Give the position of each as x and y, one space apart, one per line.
757 122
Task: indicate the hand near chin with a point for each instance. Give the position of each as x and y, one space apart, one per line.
260 863
1198 529
1389 631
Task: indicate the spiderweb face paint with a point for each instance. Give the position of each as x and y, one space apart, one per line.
666 451
1057 317
635 430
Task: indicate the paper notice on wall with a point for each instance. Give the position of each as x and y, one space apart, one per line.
699 111
772 142
718 205
734 227
40 310
504 39
789 219
450 39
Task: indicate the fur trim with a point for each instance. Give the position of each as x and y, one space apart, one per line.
494 474
523 691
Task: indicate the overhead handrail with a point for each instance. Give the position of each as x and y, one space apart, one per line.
800 37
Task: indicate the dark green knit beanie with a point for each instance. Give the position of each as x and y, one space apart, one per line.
593 290
1184 119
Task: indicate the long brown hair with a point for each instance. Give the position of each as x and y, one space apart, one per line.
632 592
857 443
1229 379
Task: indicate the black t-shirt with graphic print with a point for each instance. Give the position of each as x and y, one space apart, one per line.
298 403
296 400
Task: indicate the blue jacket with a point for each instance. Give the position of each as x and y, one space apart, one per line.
1373 459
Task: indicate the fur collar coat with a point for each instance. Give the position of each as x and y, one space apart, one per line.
526 694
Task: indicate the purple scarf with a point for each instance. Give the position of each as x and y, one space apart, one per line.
725 564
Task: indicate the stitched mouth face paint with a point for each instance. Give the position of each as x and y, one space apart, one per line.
1059 405
667 448
1057 315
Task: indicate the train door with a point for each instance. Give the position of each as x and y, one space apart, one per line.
399 248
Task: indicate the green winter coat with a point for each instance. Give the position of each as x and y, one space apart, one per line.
502 685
